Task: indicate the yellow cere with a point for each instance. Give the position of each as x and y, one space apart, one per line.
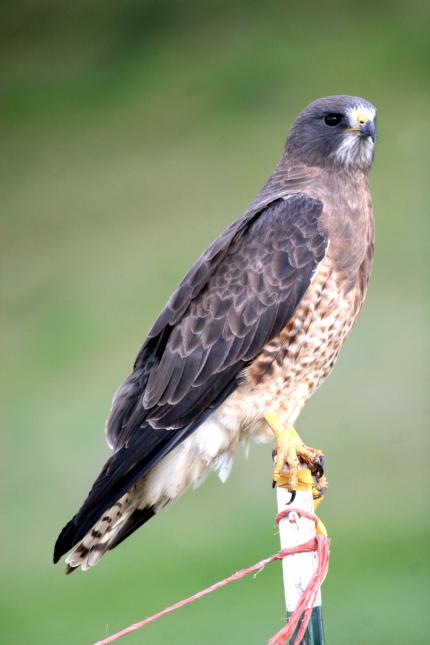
363 116
359 118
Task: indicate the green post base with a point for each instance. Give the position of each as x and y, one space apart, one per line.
314 634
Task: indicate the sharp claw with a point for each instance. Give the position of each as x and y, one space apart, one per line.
293 497
292 452
317 470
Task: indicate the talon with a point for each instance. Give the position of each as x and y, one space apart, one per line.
293 497
291 451
319 465
310 456
317 471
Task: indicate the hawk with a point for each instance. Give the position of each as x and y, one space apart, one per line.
252 330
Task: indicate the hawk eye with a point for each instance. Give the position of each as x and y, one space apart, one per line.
332 119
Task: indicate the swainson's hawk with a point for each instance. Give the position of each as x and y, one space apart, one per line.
250 333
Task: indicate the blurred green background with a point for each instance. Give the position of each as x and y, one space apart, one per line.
132 133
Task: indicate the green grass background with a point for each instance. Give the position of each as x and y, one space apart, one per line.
131 134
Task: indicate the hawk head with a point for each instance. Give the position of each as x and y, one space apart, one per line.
337 131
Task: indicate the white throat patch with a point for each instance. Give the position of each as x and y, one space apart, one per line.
354 149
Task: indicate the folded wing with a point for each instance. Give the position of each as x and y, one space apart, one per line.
240 294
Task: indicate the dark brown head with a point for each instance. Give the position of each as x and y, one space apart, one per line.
337 131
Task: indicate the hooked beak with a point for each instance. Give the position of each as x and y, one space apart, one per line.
363 124
368 130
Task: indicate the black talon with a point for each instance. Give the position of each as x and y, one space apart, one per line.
317 471
293 497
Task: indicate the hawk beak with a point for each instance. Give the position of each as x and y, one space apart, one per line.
363 124
368 130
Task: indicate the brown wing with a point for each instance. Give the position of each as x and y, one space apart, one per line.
239 294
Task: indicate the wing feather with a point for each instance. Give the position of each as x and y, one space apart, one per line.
240 293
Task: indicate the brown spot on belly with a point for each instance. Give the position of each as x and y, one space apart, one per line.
292 365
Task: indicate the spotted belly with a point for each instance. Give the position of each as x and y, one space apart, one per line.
280 379
291 367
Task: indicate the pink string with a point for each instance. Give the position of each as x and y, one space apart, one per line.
320 544
307 600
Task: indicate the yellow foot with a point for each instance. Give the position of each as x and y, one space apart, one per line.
291 451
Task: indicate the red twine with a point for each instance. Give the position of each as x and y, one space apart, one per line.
305 605
303 611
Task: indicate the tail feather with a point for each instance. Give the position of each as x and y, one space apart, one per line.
144 449
120 473
96 542
136 519
116 524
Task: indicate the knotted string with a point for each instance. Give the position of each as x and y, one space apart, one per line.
319 543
